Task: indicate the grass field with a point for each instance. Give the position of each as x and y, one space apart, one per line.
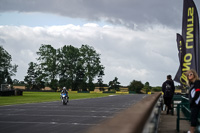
36 97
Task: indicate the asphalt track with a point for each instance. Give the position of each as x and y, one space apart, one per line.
53 117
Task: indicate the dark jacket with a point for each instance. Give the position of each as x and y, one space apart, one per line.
194 93
172 88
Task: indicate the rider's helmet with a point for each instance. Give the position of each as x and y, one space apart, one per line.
64 88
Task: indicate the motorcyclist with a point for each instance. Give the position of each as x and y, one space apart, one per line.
64 91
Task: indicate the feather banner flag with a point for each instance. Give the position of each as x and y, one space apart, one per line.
188 43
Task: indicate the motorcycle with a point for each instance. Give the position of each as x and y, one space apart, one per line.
64 98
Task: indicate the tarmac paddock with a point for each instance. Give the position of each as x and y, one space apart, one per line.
168 123
53 117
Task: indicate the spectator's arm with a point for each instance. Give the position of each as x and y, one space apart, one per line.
173 87
197 89
163 88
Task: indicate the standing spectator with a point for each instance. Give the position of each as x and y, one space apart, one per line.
194 97
168 90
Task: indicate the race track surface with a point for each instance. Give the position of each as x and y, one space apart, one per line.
53 117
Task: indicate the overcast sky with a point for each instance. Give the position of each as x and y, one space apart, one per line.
135 38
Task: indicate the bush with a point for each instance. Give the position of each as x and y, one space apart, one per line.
156 89
135 86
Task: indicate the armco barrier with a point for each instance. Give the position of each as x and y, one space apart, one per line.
96 91
73 91
131 120
121 92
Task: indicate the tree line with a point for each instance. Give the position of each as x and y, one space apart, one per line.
74 68
68 66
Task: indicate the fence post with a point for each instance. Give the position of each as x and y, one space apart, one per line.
178 117
173 99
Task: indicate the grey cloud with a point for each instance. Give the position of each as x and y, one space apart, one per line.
2 41
126 54
123 12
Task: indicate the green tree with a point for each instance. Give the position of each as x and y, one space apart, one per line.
110 85
6 68
34 79
15 81
70 68
147 87
135 86
91 64
49 64
100 80
157 88
80 80
114 84
31 76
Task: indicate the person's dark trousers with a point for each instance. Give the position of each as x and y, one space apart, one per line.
194 115
168 102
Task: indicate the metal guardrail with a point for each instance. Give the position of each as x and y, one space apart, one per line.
184 106
181 103
176 99
141 117
181 106
154 119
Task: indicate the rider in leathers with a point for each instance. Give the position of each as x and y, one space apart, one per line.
64 91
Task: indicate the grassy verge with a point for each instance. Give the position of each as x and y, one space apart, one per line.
36 97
